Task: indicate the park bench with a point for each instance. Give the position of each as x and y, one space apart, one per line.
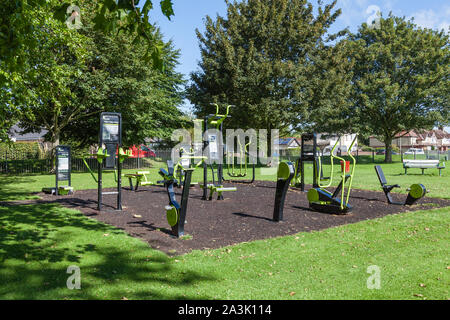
141 179
422 164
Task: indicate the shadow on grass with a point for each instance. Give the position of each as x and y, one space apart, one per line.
39 242
10 191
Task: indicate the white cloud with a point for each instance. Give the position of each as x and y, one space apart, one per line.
431 19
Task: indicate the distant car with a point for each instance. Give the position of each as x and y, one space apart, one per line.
415 151
142 151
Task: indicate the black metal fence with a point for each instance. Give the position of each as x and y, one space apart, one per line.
374 156
26 163
29 163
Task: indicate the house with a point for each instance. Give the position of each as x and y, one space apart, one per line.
403 140
428 140
16 135
288 143
443 139
326 142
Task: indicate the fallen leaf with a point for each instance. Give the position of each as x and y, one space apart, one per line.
291 293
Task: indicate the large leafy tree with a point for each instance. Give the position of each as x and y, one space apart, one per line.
24 23
71 92
37 93
262 58
116 80
400 77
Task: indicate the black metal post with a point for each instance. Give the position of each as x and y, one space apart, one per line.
99 186
119 182
281 191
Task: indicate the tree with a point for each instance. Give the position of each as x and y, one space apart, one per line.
20 20
262 58
38 92
400 78
116 80
70 92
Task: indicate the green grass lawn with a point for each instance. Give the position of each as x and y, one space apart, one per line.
40 242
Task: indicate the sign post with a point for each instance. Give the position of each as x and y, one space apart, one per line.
63 167
63 172
110 139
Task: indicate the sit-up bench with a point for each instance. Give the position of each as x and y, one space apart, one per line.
422 164
416 191
141 179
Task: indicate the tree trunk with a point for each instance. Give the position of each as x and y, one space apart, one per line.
388 153
55 143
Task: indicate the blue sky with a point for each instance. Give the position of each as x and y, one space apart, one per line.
190 14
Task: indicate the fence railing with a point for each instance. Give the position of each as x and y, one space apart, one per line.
35 165
374 157
29 164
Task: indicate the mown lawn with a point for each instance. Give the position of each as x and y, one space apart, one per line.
40 242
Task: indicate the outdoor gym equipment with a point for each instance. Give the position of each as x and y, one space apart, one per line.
184 162
141 179
416 191
62 172
176 213
110 155
243 157
308 152
284 176
321 199
215 154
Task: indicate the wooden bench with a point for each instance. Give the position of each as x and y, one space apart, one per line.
422 164
141 179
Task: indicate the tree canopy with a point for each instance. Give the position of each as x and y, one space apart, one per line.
68 76
25 26
263 58
400 78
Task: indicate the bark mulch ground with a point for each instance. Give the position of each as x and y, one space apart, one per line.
244 215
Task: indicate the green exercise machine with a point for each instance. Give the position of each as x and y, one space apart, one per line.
186 161
337 202
416 191
244 157
110 155
213 147
175 211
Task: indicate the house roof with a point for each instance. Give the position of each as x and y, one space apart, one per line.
406 134
441 134
287 141
16 133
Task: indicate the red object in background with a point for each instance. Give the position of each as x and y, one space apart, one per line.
141 151
347 166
